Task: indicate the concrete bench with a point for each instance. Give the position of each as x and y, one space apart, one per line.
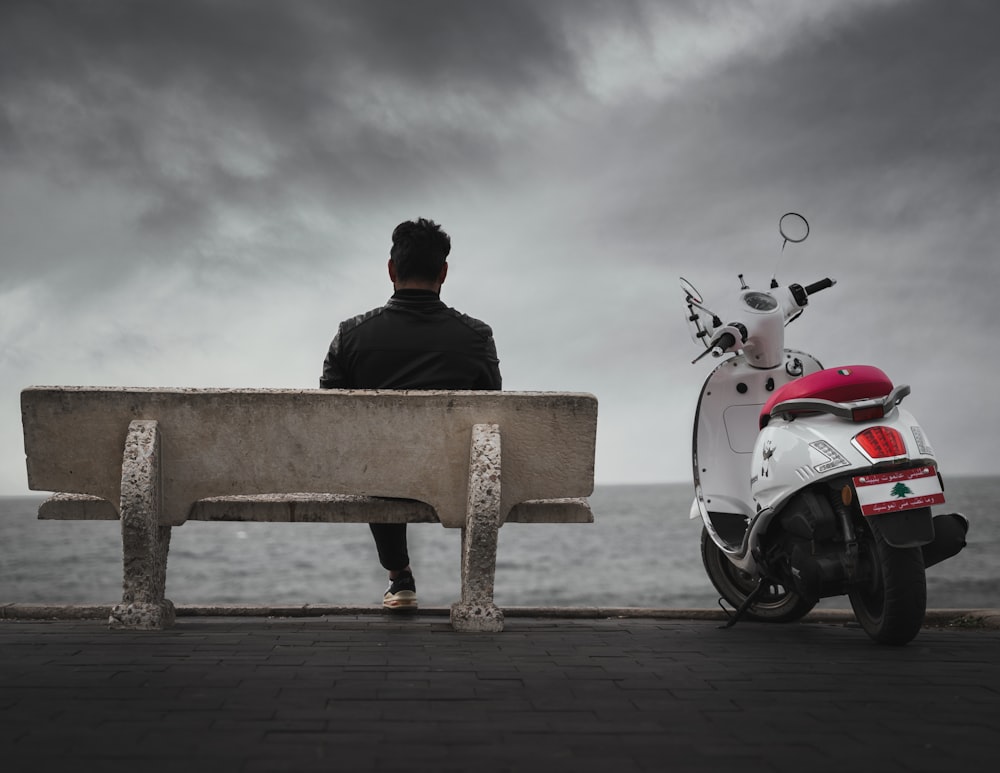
157 458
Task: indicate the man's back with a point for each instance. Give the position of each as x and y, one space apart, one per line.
415 341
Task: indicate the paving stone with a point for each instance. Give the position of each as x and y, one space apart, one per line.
254 694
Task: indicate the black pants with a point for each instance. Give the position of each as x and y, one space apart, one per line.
390 541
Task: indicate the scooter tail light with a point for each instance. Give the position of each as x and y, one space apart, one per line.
881 442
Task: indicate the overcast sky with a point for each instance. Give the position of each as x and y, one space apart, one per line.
196 193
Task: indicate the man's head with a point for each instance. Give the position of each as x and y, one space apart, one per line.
419 254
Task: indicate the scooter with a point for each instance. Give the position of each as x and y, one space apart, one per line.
810 482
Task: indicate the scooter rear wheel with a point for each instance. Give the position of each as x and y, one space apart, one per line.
891 604
775 604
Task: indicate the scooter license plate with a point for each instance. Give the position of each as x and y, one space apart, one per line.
891 492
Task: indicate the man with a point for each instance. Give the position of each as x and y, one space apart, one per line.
415 341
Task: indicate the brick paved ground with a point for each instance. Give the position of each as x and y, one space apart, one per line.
366 693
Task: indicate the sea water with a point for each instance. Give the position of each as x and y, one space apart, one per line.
641 551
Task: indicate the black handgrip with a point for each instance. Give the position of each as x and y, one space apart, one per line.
822 284
725 341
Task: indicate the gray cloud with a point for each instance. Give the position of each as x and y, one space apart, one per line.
335 98
880 120
892 89
195 192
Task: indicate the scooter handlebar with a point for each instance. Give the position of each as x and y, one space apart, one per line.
724 342
822 284
719 346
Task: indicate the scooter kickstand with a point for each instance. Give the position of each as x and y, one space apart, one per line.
735 617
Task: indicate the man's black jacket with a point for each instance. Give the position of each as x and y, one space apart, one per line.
415 341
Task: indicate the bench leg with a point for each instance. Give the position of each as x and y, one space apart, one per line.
144 541
476 611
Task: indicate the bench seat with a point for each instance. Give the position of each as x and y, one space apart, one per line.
314 508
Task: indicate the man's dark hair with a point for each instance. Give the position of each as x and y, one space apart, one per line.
419 249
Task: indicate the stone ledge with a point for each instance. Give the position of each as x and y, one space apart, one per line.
935 618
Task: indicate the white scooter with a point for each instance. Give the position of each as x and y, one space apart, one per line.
810 483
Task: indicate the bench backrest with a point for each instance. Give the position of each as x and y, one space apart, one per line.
219 442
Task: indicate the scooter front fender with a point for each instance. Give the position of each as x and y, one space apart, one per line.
725 428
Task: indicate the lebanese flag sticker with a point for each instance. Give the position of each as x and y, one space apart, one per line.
891 492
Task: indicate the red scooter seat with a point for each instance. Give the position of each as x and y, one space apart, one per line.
838 385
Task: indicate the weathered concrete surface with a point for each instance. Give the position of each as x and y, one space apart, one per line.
145 542
219 443
385 456
312 508
567 510
477 611
77 507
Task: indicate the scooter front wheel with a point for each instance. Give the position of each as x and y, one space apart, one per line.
775 604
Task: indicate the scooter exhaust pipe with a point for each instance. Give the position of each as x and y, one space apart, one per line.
949 538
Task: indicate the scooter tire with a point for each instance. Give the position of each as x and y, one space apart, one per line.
776 604
891 605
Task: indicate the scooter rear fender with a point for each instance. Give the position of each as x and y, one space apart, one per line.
907 528
792 454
